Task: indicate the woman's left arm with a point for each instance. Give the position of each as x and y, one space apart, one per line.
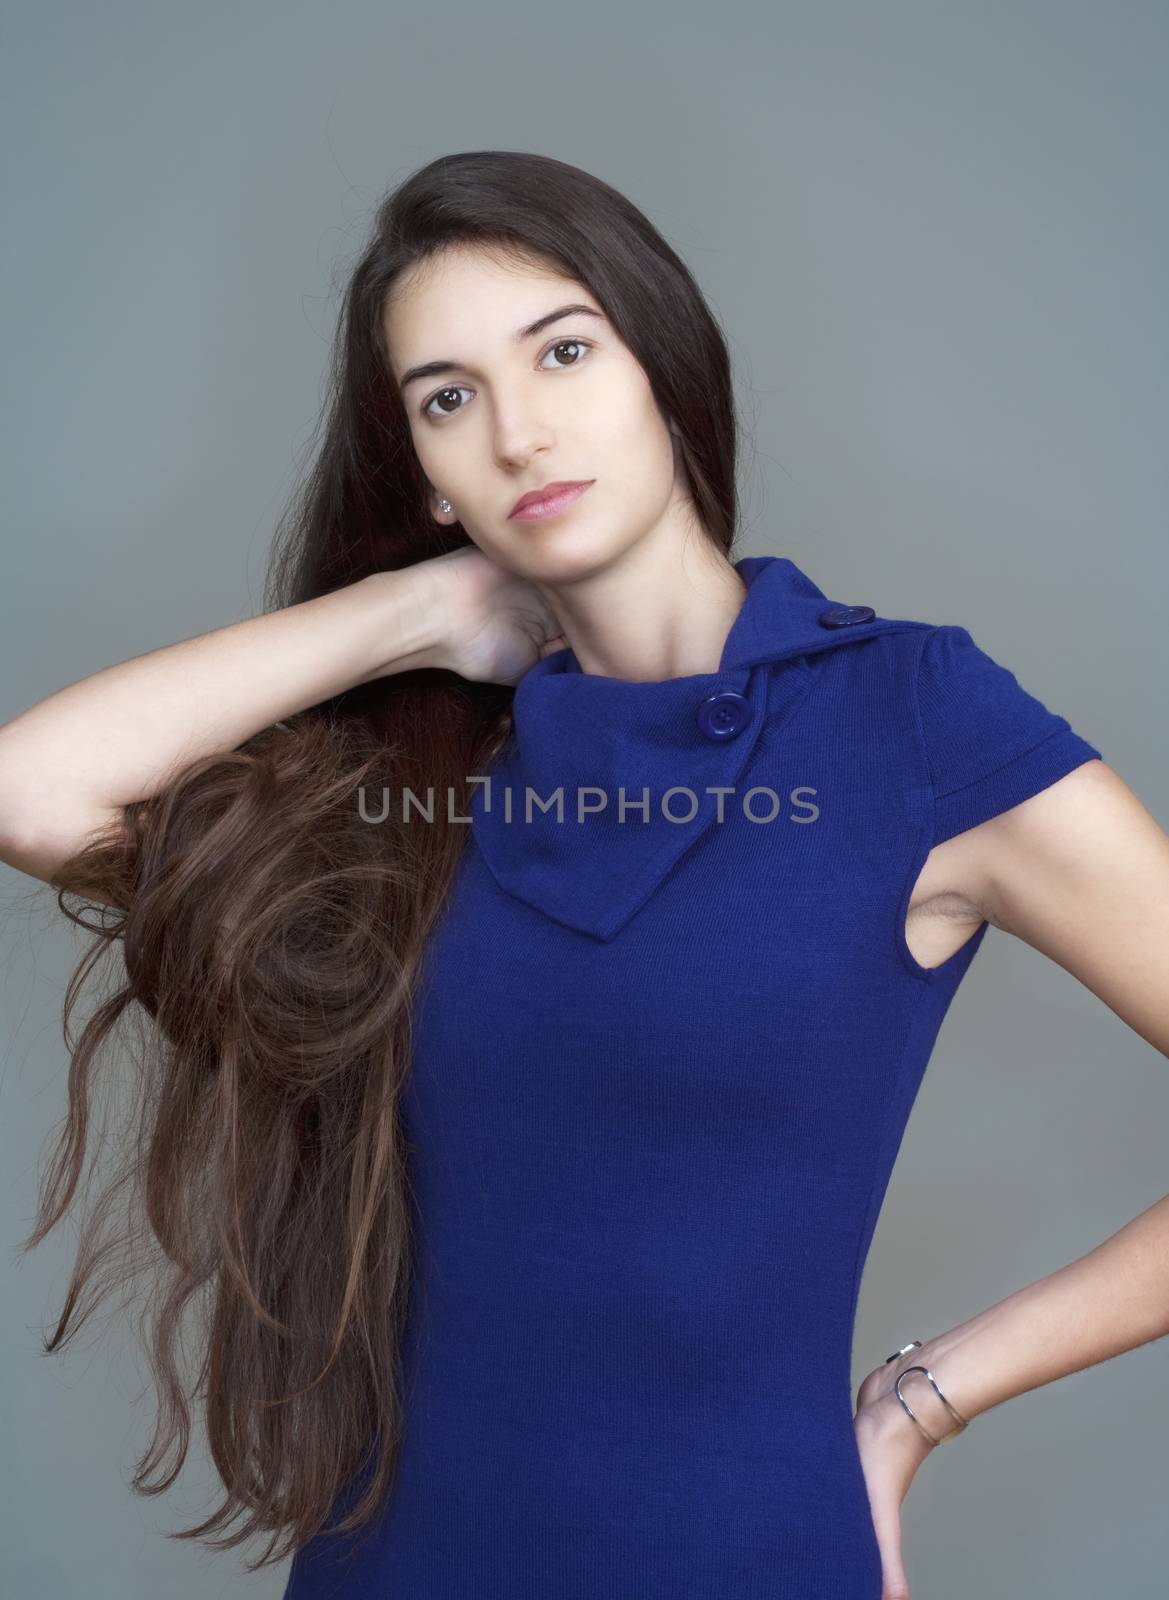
1079 871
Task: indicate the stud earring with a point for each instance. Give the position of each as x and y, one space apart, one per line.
445 505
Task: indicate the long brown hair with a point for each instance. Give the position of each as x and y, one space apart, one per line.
271 937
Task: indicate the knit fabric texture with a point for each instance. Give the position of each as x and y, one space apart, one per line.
664 1058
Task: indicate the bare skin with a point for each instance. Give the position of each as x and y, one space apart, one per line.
941 916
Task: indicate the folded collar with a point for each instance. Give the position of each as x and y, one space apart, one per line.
583 739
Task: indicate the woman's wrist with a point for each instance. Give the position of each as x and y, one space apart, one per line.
975 1365
886 1419
922 1392
405 622
932 1420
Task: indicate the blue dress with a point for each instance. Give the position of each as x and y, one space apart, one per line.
663 1064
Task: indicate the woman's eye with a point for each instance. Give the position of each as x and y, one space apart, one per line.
456 388
427 412
568 344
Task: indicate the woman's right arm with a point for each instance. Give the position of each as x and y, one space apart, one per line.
71 762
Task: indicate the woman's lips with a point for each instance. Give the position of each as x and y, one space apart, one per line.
537 510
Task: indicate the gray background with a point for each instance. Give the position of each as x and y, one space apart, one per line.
936 235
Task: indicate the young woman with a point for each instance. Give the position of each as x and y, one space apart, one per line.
546 918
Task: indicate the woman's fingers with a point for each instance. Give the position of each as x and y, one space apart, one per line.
887 1522
891 1450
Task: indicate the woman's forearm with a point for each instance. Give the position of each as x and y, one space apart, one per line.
114 737
1111 1300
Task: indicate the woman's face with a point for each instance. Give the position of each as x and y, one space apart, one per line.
511 411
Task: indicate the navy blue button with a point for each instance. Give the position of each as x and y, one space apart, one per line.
846 616
722 715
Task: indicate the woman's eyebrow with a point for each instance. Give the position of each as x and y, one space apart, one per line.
431 369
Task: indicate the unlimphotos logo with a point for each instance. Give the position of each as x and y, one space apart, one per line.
758 804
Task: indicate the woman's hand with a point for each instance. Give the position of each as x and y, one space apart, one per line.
495 625
891 1448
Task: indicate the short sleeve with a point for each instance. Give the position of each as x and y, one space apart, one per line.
989 744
